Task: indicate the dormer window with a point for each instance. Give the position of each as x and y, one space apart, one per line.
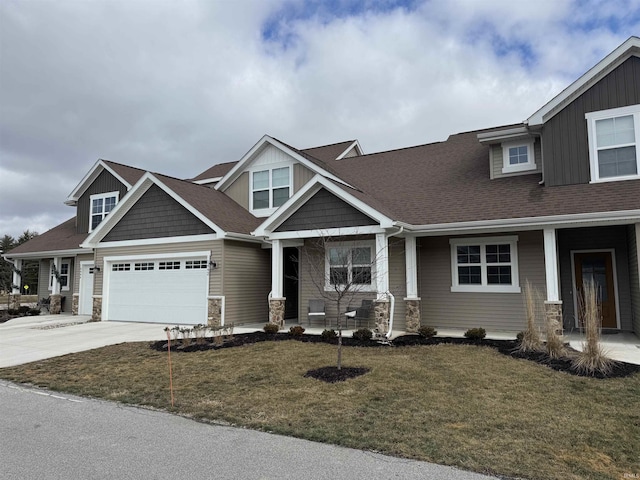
270 189
613 143
518 156
101 205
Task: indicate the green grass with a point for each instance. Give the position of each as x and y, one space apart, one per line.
456 405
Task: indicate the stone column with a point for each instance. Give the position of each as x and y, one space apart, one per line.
97 309
412 315
553 314
215 306
14 301
276 311
381 316
74 304
55 307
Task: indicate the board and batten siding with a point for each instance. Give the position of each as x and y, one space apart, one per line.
149 251
633 232
565 138
311 278
104 183
301 175
594 238
497 161
246 272
442 308
238 191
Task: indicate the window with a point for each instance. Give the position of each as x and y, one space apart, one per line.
270 188
350 265
64 275
485 265
613 143
169 266
143 266
121 267
100 206
194 264
518 156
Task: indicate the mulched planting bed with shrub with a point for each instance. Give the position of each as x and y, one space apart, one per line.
506 347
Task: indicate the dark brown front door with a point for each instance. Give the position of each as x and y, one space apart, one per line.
598 267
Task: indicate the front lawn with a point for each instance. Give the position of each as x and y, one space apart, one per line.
460 405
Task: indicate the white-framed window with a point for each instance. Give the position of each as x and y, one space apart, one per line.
270 188
64 275
100 205
144 266
614 143
121 267
518 156
487 264
195 264
169 265
350 264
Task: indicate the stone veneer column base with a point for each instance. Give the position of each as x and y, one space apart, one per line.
74 304
14 301
55 304
276 311
97 309
553 314
412 315
214 315
381 316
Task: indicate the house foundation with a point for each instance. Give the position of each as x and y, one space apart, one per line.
381 309
55 305
14 301
412 315
276 311
96 315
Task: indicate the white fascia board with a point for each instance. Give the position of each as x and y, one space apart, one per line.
204 181
304 194
160 241
501 135
629 48
327 232
53 253
248 158
529 223
355 145
88 179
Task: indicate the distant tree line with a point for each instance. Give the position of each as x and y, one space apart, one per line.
29 267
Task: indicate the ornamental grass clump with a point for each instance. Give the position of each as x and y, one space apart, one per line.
554 344
531 341
592 359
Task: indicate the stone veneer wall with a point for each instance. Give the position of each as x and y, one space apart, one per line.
381 316
276 311
412 315
553 312
14 300
97 309
74 304
214 315
55 307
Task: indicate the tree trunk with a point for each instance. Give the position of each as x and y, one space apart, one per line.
339 323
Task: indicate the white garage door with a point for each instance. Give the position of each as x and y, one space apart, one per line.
172 291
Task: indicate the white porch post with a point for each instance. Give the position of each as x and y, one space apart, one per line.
55 284
276 302
382 265
411 267
16 279
551 264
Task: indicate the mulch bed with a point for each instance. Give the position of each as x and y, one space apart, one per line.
332 374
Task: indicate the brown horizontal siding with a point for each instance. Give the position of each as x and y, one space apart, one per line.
497 161
497 311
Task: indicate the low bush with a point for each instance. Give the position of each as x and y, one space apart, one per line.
271 328
520 336
427 332
33 312
363 334
13 311
328 335
296 331
475 334
23 309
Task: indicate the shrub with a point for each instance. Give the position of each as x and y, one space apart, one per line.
363 334
427 332
328 335
271 328
186 336
23 309
475 334
33 311
227 331
13 311
296 331
200 332
520 336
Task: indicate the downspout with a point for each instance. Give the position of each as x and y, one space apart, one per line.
392 305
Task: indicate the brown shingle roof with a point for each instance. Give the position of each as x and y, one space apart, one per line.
219 170
327 153
62 237
129 174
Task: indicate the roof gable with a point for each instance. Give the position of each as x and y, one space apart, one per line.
126 175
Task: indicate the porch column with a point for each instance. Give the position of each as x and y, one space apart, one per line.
16 282
55 306
276 302
412 302
553 304
382 304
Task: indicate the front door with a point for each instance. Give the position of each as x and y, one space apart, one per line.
85 304
598 267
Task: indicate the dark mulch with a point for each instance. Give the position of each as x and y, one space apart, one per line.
506 347
333 375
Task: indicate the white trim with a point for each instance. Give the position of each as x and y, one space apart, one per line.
89 178
521 167
223 307
160 241
351 244
484 287
502 135
52 253
205 181
328 232
612 251
631 47
551 265
355 145
591 118
411 269
382 266
101 196
265 212
53 285
277 268
16 278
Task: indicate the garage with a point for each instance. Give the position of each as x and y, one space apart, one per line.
170 290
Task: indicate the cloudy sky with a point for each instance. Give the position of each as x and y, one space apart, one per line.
177 86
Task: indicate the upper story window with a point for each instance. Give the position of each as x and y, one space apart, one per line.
518 156
101 205
487 264
613 143
270 188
